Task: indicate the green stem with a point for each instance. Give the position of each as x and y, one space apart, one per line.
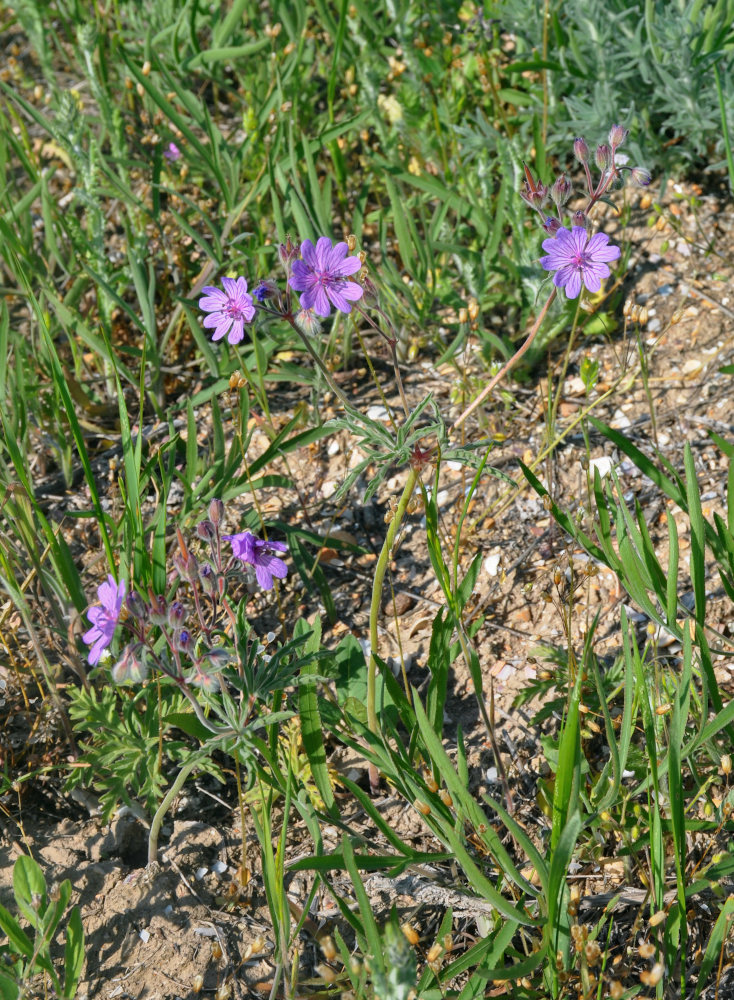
377 594
155 826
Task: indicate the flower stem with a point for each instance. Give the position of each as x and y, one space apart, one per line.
508 365
380 569
155 826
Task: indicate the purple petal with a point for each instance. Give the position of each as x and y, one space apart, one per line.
96 651
579 238
599 250
323 250
213 319
318 301
209 303
300 274
222 327
278 546
92 634
573 285
308 252
264 578
335 256
350 265
594 275
340 293
551 262
237 333
267 567
230 287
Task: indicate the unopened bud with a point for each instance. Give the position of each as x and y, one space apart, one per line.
136 605
176 614
158 609
561 190
206 575
617 135
551 225
216 512
288 252
725 764
308 322
603 156
206 530
579 219
472 307
641 176
351 242
130 669
146 68
581 150
371 295
182 640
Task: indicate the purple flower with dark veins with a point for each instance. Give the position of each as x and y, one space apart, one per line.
228 310
576 258
261 555
322 275
104 617
172 152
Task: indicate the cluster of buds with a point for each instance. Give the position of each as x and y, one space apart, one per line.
611 167
192 621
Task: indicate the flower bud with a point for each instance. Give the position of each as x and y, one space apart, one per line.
158 609
206 530
206 576
288 252
176 614
603 156
308 322
182 640
617 135
264 290
641 176
130 668
561 190
371 295
581 150
578 219
136 606
535 195
216 512
551 225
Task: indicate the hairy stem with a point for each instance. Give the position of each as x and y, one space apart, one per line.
380 569
508 365
155 826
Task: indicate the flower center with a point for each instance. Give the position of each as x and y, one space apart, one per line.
323 278
580 260
233 309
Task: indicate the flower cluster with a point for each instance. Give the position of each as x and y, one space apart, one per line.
577 257
191 653
321 272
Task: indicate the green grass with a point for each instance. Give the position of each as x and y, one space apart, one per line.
407 128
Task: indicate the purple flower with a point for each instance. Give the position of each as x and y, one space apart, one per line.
229 308
261 555
104 618
172 152
573 256
322 277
